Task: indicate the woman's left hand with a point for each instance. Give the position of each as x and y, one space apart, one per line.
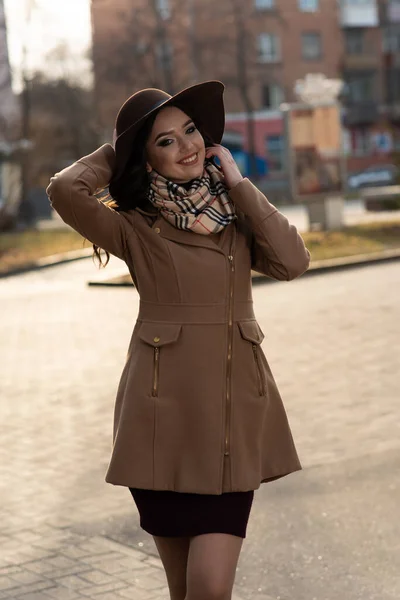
228 165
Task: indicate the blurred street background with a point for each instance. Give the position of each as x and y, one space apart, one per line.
313 118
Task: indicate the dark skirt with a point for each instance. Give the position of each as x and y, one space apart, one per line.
172 514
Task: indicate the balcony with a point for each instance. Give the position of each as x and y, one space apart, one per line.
361 113
359 13
361 62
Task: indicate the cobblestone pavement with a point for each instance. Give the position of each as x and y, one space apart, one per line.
333 344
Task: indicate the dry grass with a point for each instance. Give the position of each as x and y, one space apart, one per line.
359 239
19 249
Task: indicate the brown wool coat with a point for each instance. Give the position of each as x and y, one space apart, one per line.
197 409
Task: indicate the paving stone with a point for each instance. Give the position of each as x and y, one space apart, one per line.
98 577
134 594
154 562
72 582
75 552
25 577
7 583
9 570
59 593
96 590
116 566
30 596
30 588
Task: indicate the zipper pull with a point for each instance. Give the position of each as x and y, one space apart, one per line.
230 258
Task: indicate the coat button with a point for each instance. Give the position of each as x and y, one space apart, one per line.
157 230
156 339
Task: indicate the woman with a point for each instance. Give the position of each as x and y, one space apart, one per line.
198 423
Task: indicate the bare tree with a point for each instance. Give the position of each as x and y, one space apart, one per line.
63 126
243 57
145 47
26 213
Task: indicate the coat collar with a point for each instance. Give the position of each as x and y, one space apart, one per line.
181 236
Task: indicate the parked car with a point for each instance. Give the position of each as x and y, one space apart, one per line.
379 175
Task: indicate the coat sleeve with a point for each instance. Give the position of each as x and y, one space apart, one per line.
71 194
278 250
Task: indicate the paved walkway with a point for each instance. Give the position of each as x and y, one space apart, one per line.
328 532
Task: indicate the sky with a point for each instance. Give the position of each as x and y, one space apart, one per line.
52 22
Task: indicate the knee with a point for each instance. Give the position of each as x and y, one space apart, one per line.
210 589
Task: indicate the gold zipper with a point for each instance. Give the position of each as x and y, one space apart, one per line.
229 357
156 366
259 374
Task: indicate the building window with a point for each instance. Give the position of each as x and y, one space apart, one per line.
311 45
393 86
164 55
309 5
272 96
264 4
354 41
275 146
391 39
164 9
362 142
360 88
268 47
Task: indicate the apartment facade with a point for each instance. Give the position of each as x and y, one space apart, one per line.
278 41
259 48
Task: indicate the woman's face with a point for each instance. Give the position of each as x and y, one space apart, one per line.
175 148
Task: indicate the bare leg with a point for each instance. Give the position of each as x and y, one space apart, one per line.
174 553
211 568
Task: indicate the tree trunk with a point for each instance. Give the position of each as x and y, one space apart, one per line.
26 212
243 83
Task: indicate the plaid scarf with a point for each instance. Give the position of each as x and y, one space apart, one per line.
203 208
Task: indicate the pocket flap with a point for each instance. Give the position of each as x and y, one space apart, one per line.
159 334
251 331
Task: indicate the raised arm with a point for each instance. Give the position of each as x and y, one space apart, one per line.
278 250
71 193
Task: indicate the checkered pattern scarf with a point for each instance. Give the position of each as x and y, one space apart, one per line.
203 208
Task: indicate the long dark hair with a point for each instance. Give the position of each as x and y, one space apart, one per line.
129 191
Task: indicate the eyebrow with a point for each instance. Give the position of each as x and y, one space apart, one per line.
172 130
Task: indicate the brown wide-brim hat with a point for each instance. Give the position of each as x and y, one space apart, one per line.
203 103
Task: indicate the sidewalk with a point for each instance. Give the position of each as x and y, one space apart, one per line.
52 562
330 532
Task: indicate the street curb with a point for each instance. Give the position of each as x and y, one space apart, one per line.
317 267
50 261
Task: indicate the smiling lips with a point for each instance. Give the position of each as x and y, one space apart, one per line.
190 160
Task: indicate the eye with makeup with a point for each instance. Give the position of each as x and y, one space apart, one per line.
168 141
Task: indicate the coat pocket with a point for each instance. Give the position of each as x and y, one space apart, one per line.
158 335
251 332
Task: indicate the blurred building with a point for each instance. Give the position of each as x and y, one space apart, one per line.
8 102
10 172
261 45
258 48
